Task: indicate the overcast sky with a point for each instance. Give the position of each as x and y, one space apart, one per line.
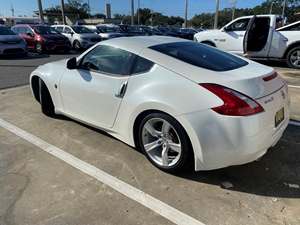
168 7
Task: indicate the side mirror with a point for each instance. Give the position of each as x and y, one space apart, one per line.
225 29
72 63
29 34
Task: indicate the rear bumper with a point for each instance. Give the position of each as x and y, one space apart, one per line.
219 141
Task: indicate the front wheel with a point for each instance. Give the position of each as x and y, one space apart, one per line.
165 143
46 102
293 58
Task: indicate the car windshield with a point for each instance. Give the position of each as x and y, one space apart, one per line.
201 55
6 31
81 30
104 29
45 30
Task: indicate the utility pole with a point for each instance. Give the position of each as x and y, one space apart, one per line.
186 13
283 9
271 7
138 12
41 11
132 12
12 10
63 12
233 6
217 14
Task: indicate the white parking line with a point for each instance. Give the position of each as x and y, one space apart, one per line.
131 192
293 86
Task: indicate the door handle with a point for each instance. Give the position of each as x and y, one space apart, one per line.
122 90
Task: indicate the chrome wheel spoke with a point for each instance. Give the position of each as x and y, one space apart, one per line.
153 145
151 130
175 147
164 156
165 128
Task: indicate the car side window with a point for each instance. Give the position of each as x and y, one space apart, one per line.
141 65
109 60
59 29
67 30
240 25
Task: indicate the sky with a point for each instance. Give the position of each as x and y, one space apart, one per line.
167 7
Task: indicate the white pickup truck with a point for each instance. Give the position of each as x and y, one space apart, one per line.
257 38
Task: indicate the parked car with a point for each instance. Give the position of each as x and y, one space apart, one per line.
79 36
11 43
106 31
272 44
182 103
128 30
169 31
41 38
292 32
188 33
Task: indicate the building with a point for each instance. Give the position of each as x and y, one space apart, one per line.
13 20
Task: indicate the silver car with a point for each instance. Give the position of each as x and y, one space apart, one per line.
79 36
11 43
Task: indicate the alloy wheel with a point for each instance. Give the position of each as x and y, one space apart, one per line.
161 142
295 58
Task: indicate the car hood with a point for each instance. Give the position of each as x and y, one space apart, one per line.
12 38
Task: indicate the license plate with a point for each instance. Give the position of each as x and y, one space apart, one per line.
279 117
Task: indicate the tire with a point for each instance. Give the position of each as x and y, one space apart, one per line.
174 161
46 102
293 58
39 48
77 45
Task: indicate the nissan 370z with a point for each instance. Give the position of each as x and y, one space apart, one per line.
182 103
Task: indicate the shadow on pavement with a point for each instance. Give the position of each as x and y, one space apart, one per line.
277 174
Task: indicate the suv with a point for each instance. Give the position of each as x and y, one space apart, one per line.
11 43
42 38
256 37
106 31
79 36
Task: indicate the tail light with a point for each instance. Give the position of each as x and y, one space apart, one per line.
270 77
235 103
39 37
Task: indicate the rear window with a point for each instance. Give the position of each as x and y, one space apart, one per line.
201 55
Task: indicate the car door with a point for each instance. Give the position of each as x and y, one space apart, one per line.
258 36
233 36
68 33
93 92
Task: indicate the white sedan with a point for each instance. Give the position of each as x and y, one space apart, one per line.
182 103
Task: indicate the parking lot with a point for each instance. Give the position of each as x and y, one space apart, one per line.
55 171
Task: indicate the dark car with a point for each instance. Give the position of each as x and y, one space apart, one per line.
41 38
188 33
129 30
167 31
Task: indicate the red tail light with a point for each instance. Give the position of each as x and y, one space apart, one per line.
270 77
235 103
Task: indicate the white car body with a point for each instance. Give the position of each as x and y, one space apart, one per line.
86 40
172 86
277 47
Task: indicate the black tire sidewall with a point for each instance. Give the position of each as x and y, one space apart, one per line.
186 161
289 56
46 102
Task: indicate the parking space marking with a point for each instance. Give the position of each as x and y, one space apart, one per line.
293 86
161 208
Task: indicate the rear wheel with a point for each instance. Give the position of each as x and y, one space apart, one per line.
46 102
39 48
293 58
165 143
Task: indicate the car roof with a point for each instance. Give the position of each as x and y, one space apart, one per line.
136 44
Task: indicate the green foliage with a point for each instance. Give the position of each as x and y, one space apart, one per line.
206 20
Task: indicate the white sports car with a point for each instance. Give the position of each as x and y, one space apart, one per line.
182 103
